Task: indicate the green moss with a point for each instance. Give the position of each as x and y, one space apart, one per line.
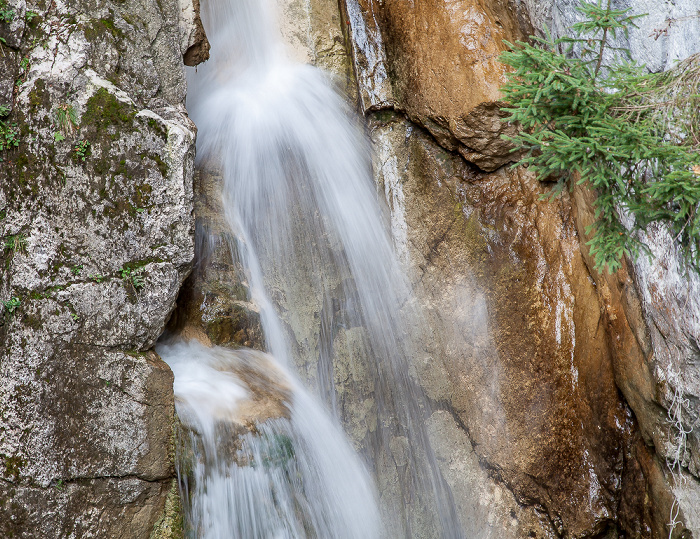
104 110
138 264
162 165
156 126
39 97
109 25
171 523
32 321
385 116
121 169
13 467
102 166
143 195
25 168
98 28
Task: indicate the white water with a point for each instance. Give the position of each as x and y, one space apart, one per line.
294 477
299 196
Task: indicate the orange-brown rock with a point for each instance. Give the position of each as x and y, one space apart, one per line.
442 62
635 367
521 349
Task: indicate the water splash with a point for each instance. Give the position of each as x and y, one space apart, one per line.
334 300
290 475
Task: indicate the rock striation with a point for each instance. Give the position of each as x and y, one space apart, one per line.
97 237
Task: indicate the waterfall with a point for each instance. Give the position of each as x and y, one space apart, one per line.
293 475
335 307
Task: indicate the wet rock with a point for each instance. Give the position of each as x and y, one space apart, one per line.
651 306
312 31
517 353
194 45
651 309
107 507
216 300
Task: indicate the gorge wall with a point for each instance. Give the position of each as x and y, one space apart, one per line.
98 235
558 393
536 346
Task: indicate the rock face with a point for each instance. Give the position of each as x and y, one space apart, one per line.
653 307
438 63
519 358
530 345
668 31
98 235
215 305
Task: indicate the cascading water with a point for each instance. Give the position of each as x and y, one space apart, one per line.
293 475
334 302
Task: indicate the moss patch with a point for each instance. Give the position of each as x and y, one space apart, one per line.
170 524
13 467
104 110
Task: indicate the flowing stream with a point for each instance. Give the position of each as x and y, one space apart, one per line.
335 307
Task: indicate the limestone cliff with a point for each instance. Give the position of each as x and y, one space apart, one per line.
97 237
550 411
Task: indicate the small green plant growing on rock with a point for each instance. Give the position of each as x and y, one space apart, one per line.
589 117
133 277
7 14
66 118
16 243
81 151
12 305
9 136
75 270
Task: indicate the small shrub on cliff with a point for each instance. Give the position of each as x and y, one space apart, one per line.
66 118
134 277
9 136
12 305
6 12
81 151
589 116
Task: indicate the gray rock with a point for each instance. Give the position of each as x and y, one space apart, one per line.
669 32
96 218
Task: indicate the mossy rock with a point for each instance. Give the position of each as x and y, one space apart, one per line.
170 524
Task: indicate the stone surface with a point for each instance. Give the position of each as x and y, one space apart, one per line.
517 354
215 303
669 30
313 33
194 41
98 235
637 331
651 306
438 63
